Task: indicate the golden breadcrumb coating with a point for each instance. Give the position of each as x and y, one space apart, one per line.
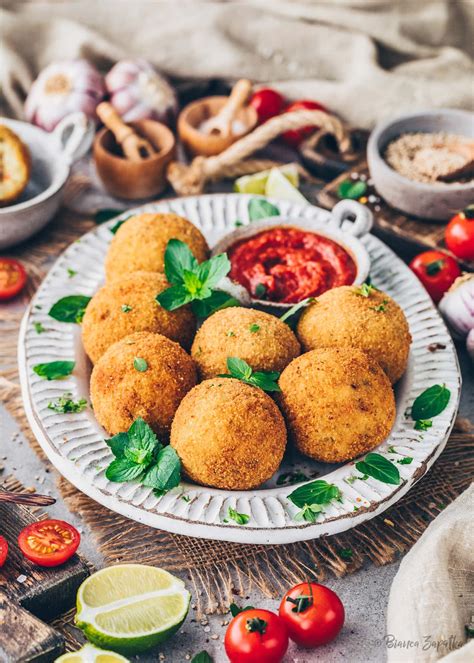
376 324
228 435
120 393
337 402
140 243
260 339
129 305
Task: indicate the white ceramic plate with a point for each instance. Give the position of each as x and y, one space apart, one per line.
75 442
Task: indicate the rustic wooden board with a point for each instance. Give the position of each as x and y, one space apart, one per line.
389 222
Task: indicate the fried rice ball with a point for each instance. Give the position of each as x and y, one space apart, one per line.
228 435
344 317
142 375
338 403
128 305
139 244
262 340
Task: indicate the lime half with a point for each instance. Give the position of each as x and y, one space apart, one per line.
131 607
278 186
90 654
256 183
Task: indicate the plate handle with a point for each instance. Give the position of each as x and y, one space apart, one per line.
346 210
74 135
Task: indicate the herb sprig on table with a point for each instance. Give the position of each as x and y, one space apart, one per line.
139 456
194 283
311 498
240 370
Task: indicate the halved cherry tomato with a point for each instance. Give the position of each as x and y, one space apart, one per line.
12 278
437 271
267 103
295 137
49 542
256 636
313 614
3 550
459 234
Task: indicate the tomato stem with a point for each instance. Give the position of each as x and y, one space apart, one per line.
434 267
256 625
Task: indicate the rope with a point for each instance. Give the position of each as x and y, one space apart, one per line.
191 179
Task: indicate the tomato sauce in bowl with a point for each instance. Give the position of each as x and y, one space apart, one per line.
286 264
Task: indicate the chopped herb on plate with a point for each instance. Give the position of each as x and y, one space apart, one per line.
64 404
39 329
423 424
239 518
71 272
70 309
311 497
430 402
378 467
54 370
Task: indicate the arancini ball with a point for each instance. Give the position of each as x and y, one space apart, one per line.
129 305
262 340
338 403
142 375
140 243
343 317
228 435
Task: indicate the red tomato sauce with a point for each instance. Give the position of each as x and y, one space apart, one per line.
291 264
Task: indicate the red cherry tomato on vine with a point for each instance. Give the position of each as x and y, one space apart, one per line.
49 542
459 234
437 271
12 278
294 138
256 636
3 550
313 614
267 103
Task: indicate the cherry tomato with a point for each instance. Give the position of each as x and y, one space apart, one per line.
437 271
3 550
294 138
256 636
313 614
49 542
459 234
12 278
267 103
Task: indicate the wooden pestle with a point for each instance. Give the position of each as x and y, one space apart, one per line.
222 122
134 147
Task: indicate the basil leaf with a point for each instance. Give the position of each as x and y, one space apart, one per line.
217 300
239 368
294 309
166 473
265 381
105 214
380 468
315 492
259 208
140 364
54 370
178 257
430 402
202 657
174 297
117 444
70 309
212 271
122 469
239 518
351 189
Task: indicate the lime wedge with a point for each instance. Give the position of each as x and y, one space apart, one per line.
257 182
131 607
278 186
90 654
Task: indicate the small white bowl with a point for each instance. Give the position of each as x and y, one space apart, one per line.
52 155
349 221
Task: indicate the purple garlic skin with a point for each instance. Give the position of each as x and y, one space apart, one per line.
62 88
139 92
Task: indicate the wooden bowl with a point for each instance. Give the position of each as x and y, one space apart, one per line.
192 116
134 180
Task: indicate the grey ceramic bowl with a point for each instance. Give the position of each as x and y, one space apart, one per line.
428 201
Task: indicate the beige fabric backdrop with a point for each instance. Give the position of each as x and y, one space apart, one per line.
365 59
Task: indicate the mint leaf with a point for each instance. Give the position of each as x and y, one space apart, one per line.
259 208
430 402
217 300
315 492
212 271
309 512
265 380
54 370
351 189
166 473
105 214
70 309
122 469
240 370
365 290
178 258
117 444
174 297
239 518
296 307
423 424
140 434
380 468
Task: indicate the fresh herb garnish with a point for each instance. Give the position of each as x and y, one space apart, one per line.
312 496
430 402
105 214
140 364
351 189
239 518
380 308
126 308
64 404
365 289
392 450
259 208
70 309
309 512
185 497
296 307
260 291
289 478
194 283
54 370
238 223
71 272
423 424
240 370
345 553
405 461
254 328
202 657
380 468
140 456
230 333
39 329
236 610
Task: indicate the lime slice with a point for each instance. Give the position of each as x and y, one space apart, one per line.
279 187
90 654
131 607
257 182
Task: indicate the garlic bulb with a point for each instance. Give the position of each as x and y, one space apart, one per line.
457 308
138 91
63 88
